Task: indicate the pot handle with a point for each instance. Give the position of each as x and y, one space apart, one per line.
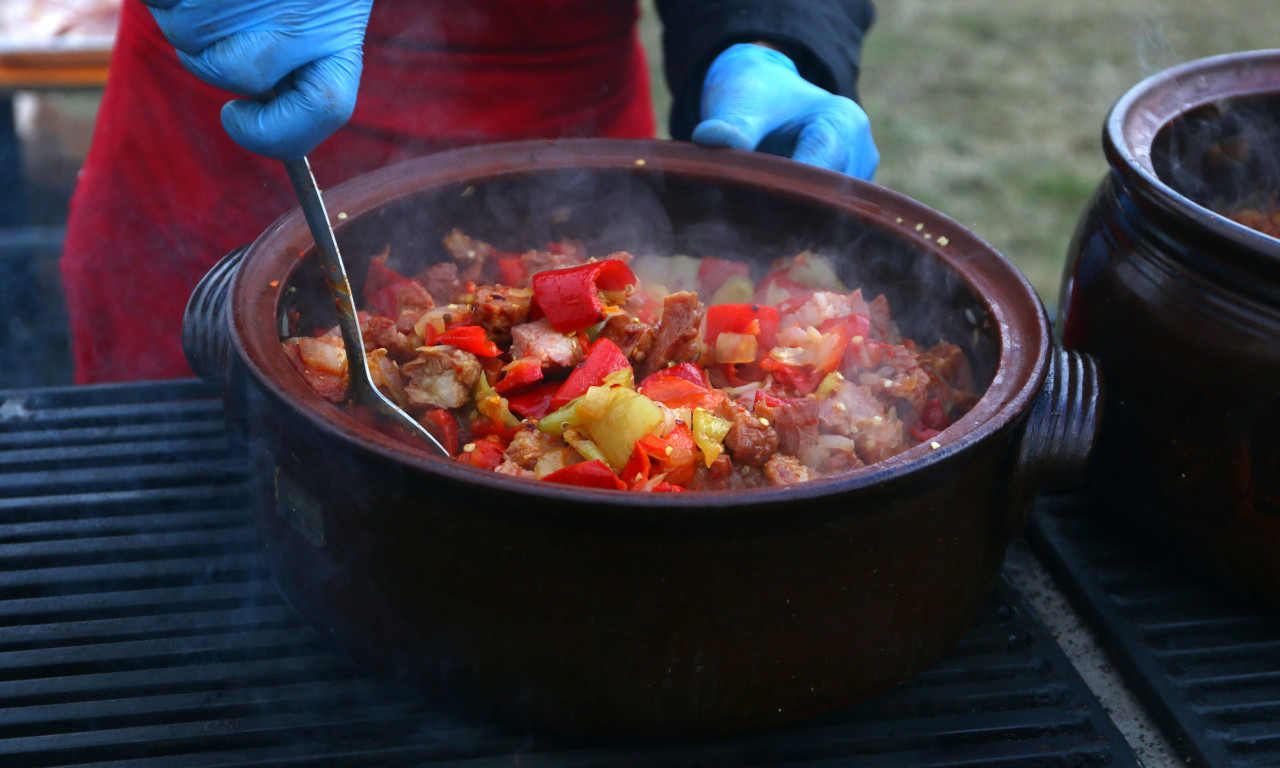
1052 447
206 333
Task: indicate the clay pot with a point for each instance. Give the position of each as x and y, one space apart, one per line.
1181 307
643 614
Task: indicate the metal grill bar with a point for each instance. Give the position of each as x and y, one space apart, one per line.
1206 663
137 627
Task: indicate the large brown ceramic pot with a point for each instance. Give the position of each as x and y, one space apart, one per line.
1181 307
628 613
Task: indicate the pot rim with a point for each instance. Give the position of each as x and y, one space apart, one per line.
1148 107
1024 337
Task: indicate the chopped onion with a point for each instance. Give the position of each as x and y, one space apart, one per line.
736 348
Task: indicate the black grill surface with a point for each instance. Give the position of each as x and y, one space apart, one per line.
1207 664
137 626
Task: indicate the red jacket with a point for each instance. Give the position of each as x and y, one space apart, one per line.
164 193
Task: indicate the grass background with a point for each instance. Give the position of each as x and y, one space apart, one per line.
991 111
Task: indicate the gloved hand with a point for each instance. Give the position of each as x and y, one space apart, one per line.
251 46
754 98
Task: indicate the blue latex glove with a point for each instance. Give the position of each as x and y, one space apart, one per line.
250 47
754 98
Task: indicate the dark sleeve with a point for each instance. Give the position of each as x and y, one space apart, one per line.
823 38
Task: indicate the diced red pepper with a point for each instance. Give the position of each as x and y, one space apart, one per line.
469 338
637 468
440 423
867 353
483 426
765 398
760 320
679 462
587 474
790 305
653 445
779 283
485 453
511 270
603 358
534 402
675 391
713 272
519 374
793 377
922 433
571 248
570 297
665 487
389 293
933 415
688 371
379 282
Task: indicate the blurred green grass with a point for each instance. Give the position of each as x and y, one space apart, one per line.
991 111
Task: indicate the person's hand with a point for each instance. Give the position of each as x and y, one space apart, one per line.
754 98
251 47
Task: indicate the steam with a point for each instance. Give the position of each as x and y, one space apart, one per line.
1224 156
1152 47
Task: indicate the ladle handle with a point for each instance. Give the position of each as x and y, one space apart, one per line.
335 274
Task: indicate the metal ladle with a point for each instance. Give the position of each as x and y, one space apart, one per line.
361 385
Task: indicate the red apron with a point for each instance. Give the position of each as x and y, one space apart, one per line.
164 193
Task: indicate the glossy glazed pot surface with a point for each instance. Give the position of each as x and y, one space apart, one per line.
1181 307
646 614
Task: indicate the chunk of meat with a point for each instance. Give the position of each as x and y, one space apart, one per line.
322 362
906 379
386 376
535 261
509 467
412 299
632 335
383 332
676 336
796 422
468 253
847 407
441 377
948 365
878 438
441 280
782 469
555 460
551 348
882 326
750 441
497 311
529 445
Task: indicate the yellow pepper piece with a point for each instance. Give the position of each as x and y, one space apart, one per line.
709 432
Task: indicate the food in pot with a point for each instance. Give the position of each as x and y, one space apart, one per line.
656 373
1265 220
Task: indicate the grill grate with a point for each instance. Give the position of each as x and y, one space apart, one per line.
137 625
1205 663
